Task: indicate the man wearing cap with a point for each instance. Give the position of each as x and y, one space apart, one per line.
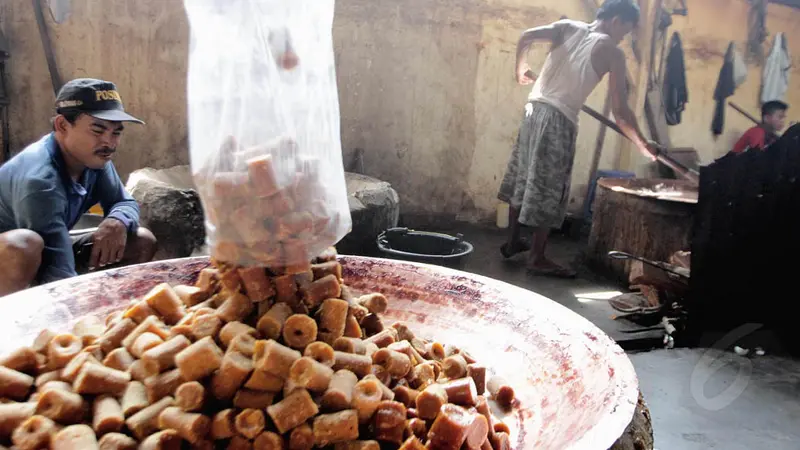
46 188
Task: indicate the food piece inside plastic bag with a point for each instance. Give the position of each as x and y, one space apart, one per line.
264 130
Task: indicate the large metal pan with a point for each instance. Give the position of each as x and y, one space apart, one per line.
577 388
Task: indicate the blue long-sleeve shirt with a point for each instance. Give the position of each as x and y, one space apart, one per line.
37 193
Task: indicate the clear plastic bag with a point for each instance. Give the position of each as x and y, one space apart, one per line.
264 129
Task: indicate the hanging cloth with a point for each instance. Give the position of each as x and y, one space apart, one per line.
675 92
775 79
725 88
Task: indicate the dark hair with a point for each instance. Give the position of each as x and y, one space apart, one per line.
626 10
71 117
772 107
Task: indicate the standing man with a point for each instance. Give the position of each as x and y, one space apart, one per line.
537 180
773 119
46 188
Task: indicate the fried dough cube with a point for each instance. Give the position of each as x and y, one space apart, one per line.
163 355
319 290
299 330
390 421
163 385
246 398
191 295
141 370
119 359
151 324
222 426
376 303
190 396
333 317
268 441
264 381
430 401
500 441
233 372
478 432
34 433
361 365
107 415
350 345
406 396
274 358
397 364
357 445
166 302
163 440
145 421
478 375
309 374
250 423
320 352
293 410
383 339
285 289
192 427
367 395
336 427
501 391
461 392
199 360
416 427
117 441
75 437
134 399
352 329
412 443
14 384
139 312
88 329
22 359
206 326
13 414
62 349
301 438
42 341
235 308
99 379
256 284
339 394
207 279
270 325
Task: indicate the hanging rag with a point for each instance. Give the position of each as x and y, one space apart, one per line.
731 76
775 79
674 91
756 30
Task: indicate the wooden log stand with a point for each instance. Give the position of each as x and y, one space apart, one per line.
650 218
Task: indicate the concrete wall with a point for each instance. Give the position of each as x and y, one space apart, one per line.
426 88
141 45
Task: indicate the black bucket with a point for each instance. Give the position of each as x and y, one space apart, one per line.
422 246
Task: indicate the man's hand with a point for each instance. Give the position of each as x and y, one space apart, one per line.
108 243
651 150
524 75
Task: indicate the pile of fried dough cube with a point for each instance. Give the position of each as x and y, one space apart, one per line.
249 359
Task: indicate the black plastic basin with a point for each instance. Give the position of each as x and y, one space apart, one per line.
423 246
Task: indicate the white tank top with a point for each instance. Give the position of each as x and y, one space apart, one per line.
568 77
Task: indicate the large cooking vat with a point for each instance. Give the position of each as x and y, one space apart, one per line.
577 388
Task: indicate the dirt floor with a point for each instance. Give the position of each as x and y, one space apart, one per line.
698 398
